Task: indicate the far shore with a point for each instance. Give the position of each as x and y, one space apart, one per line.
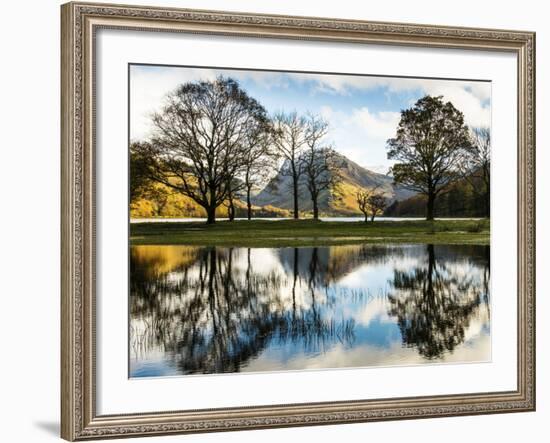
324 219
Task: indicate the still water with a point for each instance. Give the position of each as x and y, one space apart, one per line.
198 310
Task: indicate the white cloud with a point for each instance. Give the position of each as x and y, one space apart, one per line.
468 97
341 84
377 125
345 84
464 100
361 134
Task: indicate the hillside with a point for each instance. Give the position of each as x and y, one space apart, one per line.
339 201
458 201
166 203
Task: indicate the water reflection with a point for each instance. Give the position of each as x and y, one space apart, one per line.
214 310
434 302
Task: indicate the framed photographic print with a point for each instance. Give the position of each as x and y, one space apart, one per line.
282 221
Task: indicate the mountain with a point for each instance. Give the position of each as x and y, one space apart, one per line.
333 202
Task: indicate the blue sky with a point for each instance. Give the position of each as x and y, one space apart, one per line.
362 111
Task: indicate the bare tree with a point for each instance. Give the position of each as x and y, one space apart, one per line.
258 160
322 171
320 163
201 132
377 202
429 145
371 201
290 142
476 166
362 198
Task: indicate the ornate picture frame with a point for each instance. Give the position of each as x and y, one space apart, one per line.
80 22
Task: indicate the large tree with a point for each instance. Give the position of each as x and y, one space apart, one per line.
290 141
320 163
200 138
429 145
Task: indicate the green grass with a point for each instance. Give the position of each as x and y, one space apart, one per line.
260 233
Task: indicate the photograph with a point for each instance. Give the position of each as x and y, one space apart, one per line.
284 220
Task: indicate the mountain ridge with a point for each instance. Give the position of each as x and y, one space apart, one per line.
337 201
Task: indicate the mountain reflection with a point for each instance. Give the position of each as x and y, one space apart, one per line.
218 310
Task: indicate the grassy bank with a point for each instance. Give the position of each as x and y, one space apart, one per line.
261 233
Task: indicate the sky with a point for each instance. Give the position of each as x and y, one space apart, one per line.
362 111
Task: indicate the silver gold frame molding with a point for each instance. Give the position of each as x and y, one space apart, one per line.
80 21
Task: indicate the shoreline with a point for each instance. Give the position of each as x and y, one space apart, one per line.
350 219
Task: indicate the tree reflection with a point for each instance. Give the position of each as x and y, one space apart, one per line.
214 309
434 304
331 263
215 316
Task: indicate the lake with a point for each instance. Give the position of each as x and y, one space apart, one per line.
204 310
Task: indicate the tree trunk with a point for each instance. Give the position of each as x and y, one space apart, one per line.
372 217
366 217
248 204
231 210
295 192
211 208
211 215
315 209
430 206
